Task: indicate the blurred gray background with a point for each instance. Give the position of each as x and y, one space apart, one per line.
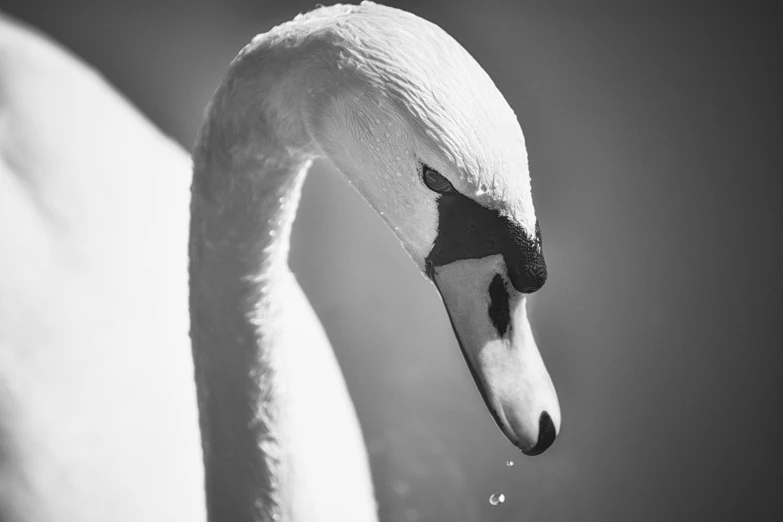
655 149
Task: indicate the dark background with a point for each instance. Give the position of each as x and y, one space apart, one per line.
655 145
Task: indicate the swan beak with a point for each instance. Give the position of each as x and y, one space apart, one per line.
490 321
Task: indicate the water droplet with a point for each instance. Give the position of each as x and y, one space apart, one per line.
397 158
509 463
388 135
272 233
497 498
275 516
281 200
269 221
381 212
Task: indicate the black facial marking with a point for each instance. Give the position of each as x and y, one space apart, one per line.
466 230
499 311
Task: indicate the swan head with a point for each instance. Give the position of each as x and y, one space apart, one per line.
424 135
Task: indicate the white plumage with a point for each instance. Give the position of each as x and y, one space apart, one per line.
98 405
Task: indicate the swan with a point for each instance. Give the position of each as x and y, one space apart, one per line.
116 246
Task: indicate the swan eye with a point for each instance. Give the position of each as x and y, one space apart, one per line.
436 181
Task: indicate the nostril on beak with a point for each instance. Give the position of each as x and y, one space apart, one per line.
546 436
527 278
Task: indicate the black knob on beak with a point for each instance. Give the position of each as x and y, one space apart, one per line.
527 277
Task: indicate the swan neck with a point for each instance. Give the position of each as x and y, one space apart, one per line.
245 192
250 161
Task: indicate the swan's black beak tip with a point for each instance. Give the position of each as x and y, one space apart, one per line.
546 436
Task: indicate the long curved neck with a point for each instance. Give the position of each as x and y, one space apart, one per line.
265 371
245 192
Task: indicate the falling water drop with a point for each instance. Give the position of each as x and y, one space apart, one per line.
497 498
509 463
272 233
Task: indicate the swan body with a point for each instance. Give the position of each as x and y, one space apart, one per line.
98 231
98 415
